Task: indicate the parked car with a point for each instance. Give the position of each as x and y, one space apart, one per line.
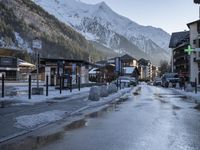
157 81
126 81
132 81
168 78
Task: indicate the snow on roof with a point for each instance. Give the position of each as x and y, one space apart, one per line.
128 70
179 37
26 64
93 71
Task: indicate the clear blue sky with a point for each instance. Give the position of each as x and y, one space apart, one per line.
170 15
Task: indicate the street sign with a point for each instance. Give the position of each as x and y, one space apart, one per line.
189 50
117 64
37 44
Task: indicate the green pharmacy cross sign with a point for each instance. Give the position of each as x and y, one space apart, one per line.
189 50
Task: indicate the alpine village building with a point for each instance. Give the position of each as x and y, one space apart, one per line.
180 59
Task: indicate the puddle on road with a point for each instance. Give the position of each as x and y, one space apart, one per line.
31 143
75 125
158 95
174 107
36 142
197 107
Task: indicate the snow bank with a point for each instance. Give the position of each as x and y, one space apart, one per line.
53 95
31 121
191 95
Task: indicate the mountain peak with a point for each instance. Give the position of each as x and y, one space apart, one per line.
103 6
98 22
102 3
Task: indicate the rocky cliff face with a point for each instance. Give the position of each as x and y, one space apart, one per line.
22 20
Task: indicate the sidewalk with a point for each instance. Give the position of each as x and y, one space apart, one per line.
21 119
22 96
190 95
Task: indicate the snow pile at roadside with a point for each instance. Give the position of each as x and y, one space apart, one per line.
31 121
53 94
110 98
191 95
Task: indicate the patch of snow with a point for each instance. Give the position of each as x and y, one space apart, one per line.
89 36
191 95
129 70
22 43
74 12
32 121
22 97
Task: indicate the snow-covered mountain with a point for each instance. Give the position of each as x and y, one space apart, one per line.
101 24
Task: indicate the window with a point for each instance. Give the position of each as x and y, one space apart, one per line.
194 42
198 27
198 43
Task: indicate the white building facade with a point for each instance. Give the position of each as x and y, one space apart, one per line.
195 55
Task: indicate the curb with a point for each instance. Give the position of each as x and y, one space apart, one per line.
70 114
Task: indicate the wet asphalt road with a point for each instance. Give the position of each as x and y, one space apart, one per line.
156 119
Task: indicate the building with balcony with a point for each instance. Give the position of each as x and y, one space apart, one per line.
145 69
180 59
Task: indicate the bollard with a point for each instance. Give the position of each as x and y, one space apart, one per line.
120 84
3 89
29 87
47 85
79 83
70 83
196 85
117 84
60 84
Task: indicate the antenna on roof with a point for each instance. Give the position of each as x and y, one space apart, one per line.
197 2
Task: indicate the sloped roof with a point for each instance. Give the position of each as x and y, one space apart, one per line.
143 62
126 56
196 21
178 38
93 71
23 63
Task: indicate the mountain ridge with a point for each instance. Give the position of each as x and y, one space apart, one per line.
22 20
79 15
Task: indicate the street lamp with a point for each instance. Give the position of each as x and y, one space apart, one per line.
197 2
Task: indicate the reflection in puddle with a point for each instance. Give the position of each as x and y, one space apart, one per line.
75 125
31 143
197 107
158 95
36 142
174 107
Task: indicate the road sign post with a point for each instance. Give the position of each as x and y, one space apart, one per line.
37 45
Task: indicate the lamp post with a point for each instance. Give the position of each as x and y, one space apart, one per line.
197 2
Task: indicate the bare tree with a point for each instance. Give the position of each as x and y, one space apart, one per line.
164 67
